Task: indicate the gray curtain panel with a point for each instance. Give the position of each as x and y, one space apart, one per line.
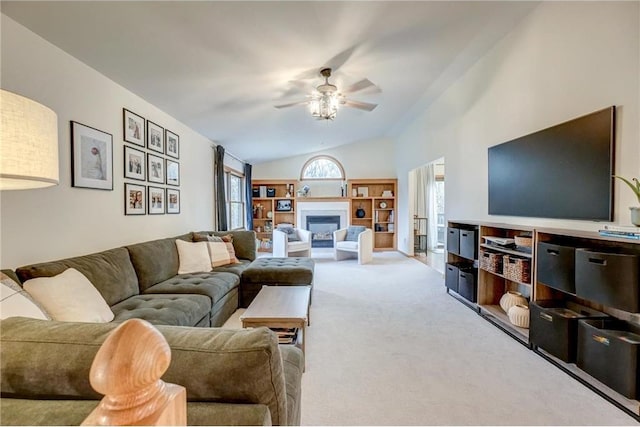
248 196
221 202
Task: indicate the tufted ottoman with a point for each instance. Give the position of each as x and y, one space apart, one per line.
274 272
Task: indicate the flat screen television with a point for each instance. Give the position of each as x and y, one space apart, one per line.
564 171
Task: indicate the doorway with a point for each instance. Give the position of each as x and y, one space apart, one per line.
428 213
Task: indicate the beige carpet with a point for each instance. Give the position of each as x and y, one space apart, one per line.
388 346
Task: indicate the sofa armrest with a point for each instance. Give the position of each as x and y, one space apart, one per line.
222 365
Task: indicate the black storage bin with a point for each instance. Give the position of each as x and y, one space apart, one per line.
610 278
556 266
467 283
608 350
451 276
554 326
453 240
255 192
468 244
271 192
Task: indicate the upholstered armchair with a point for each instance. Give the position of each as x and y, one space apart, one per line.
353 242
290 241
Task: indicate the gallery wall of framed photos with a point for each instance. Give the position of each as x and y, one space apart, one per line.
151 167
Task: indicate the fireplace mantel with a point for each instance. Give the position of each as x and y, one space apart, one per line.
322 206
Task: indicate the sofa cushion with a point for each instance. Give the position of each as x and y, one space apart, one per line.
156 260
70 296
193 256
227 365
347 245
163 309
213 285
111 272
236 269
40 412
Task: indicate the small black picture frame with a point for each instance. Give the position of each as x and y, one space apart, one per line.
284 205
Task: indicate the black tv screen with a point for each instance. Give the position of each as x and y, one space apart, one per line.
564 171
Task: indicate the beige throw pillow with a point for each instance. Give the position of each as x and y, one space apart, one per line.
194 257
219 254
70 297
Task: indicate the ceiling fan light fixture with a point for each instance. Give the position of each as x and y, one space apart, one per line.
324 106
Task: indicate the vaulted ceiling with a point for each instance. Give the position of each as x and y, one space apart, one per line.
220 67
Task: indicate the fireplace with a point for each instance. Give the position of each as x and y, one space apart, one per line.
322 228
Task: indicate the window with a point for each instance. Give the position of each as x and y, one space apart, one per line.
322 167
235 200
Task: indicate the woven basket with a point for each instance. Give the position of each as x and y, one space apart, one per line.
491 261
516 269
524 241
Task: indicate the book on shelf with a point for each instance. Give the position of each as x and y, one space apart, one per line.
620 234
622 228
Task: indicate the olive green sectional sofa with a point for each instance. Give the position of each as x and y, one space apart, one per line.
232 377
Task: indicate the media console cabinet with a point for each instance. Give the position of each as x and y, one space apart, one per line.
583 291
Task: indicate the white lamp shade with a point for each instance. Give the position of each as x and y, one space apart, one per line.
28 144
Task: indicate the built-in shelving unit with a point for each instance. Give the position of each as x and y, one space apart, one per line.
583 290
493 284
373 205
273 203
461 271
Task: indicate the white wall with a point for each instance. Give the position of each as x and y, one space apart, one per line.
564 60
61 221
370 159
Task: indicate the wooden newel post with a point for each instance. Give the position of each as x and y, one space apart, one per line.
127 370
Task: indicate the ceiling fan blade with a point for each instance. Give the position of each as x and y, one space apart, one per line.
338 60
291 104
360 105
358 86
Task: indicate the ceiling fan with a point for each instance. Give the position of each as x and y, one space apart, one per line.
326 99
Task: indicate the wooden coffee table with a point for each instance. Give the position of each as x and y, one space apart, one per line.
280 307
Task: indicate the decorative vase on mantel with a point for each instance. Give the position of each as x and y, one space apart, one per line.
635 216
510 299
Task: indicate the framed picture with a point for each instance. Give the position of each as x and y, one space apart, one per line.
134 164
155 137
133 127
156 200
173 172
283 205
172 142
363 191
173 201
134 199
91 157
156 168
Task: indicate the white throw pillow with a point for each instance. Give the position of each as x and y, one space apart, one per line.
70 297
194 257
218 253
15 301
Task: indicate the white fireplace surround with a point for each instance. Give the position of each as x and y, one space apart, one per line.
304 209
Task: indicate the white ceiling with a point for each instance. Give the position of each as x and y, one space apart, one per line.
220 67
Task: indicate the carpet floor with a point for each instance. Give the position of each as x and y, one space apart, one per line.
388 346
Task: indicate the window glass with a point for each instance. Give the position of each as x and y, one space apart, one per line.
322 167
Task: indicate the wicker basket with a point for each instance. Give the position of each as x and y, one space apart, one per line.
516 268
491 261
524 241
